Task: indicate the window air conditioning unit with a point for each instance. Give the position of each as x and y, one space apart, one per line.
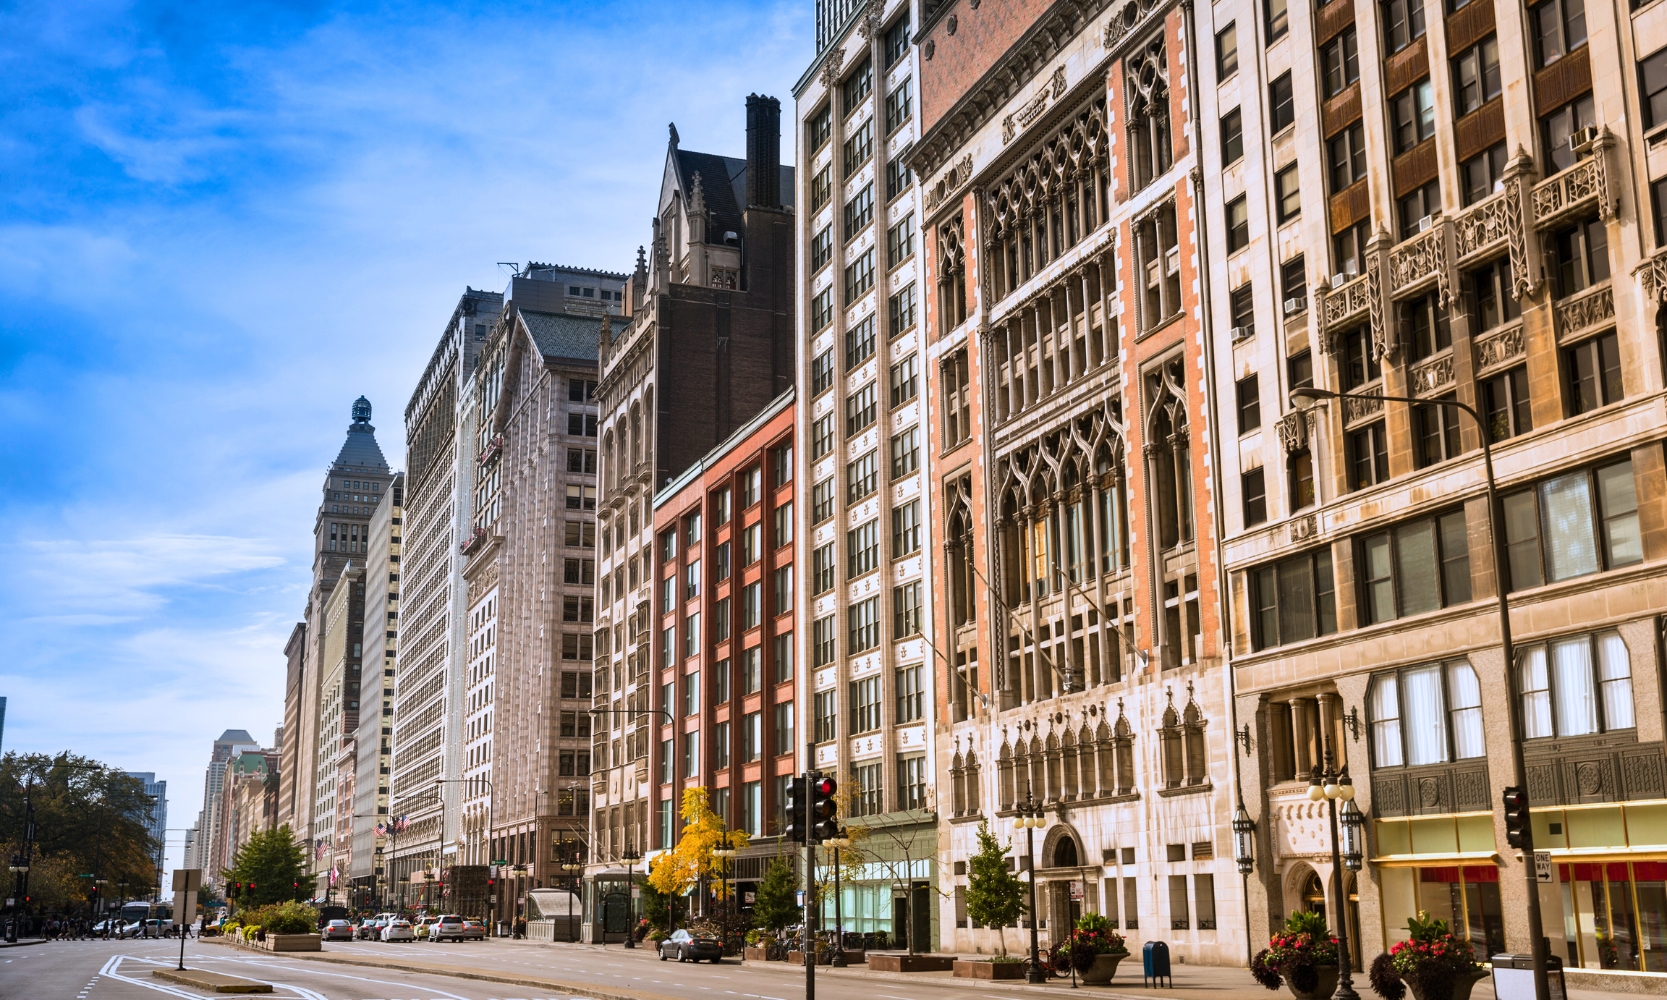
1342 278
1425 223
1242 333
1294 306
1581 139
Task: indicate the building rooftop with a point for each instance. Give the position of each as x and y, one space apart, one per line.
563 335
360 451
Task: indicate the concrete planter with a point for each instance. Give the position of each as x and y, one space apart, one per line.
291 942
911 963
1324 987
750 954
1104 967
988 970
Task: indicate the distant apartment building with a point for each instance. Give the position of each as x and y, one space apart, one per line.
431 665
705 345
530 573
1456 204
155 818
211 844
725 594
335 759
866 635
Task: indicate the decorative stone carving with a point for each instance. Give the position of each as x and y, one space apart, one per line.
1374 294
1293 431
1519 182
1588 309
1588 777
1304 528
1358 408
1483 226
1429 792
1564 193
950 184
1035 182
1126 18
1058 82
1499 346
1652 275
1342 306
1431 376
1419 258
830 68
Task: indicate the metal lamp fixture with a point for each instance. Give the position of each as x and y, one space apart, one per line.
1030 819
1353 824
1244 842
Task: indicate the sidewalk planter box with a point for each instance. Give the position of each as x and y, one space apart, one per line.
988 970
757 954
291 942
1104 967
855 957
798 958
912 963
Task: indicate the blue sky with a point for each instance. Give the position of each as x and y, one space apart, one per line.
219 224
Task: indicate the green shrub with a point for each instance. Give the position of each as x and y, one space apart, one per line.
284 918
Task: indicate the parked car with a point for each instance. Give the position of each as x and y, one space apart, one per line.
371 928
336 930
687 947
473 930
448 928
398 929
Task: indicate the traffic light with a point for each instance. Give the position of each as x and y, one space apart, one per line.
796 808
1516 817
824 811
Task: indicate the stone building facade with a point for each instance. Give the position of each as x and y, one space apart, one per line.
1461 204
375 738
706 343
1072 491
429 685
726 583
530 576
866 638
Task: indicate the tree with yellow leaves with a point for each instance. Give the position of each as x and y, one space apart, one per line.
678 870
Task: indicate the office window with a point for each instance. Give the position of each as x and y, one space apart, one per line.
781 466
751 544
1204 895
865 625
821 501
720 560
900 241
859 277
905 453
821 187
1299 475
582 423
861 410
576 647
1428 714
668 647
581 497
821 372
1658 201
898 107
783 581
783 526
1238 224
1359 365
1558 27
1423 326
751 599
1227 51
900 310
1576 686
898 178
1476 75
691 635
1293 282
1282 110
1437 433
821 310
822 641
820 128
861 478
862 549
720 745
1277 19
1368 456
859 147
856 87
1340 62
865 705
1572 525
1652 86
1249 397
1299 369
867 798
1592 373
1292 600
821 249
1581 253
1347 154
1489 295
691 755
911 782
897 40
1253 488
752 736
782 739
1505 405
1232 137
821 435
906 610
1414 209
1482 174
667 756
911 693
691 693
826 714
1158 263
859 212
905 529
1412 113
1287 193
784 658
1403 23
904 380
1414 567
859 343
822 569
957 399
1242 304
1558 131
1348 248
720 620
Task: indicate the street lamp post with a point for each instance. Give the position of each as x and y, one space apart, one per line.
1244 852
1030 820
841 841
723 854
1330 785
1536 929
631 857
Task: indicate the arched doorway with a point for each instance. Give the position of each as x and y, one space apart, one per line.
1311 893
1064 854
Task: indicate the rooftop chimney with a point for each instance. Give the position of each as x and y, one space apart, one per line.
763 151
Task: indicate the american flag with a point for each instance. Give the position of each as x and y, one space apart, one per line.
401 823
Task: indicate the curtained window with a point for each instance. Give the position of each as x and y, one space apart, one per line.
1427 714
1577 686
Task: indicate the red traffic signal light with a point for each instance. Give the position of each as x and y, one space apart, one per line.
824 811
825 787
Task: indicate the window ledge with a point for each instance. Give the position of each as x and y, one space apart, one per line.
1187 789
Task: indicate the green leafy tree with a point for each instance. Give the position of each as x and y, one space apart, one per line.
995 896
272 868
776 906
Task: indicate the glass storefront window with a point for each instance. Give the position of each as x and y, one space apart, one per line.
1614 913
1468 899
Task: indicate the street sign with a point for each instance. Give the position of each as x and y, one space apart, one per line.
1542 866
500 862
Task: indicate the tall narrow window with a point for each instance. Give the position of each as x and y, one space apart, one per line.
1147 82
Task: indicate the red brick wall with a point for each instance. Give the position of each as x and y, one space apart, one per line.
981 38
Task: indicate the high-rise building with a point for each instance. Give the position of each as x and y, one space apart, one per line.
375 739
530 573
707 343
429 682
156 818
335 759
191 847
1457 205
1080 664
230 743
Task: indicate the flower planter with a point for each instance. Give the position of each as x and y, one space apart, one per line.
287 942
1325 984
1462 985
911 963
988 970
1104 967
751 954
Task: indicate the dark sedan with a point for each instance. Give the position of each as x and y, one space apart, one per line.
687 947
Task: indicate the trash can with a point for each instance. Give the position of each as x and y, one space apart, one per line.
1513 977
1154 958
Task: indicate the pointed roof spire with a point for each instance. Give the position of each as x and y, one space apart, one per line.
672 127
360 450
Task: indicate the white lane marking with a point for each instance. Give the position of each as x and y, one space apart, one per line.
342 975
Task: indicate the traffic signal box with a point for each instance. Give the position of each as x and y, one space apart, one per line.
824 811
1516 817
797 809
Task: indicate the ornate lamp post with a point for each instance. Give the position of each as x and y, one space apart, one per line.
843 840
631 857
1030 819
1244 852
1330 786
723 854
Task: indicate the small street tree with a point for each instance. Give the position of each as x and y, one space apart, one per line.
995 896
775 906
681 869
272 868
